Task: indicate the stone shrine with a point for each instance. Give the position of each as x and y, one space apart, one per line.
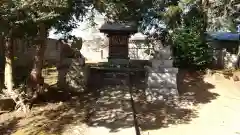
162 78
118 35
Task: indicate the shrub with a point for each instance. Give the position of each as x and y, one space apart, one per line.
189 47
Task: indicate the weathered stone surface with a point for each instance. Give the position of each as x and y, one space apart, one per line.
162 64
62 71
165 53
75 75
162 53
162 85
162 75
6 104
162 70
162 80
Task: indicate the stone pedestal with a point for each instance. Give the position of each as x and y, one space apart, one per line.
6 104
162 79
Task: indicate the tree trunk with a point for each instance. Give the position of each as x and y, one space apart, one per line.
36 81
8 76
61 82
2 62
36 73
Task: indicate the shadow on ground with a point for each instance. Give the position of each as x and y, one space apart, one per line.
9 126
110 107
192 88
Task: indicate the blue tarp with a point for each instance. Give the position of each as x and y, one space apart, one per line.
226 36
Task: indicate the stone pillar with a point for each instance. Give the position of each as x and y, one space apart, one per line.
162 78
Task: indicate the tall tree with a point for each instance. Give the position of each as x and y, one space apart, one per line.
63 16
40 16
9 29
158 14
163 19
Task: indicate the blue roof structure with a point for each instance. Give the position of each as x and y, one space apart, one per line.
225 36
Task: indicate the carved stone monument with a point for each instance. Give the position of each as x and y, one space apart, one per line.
162 78
118 34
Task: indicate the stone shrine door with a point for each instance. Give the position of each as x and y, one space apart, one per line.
118 46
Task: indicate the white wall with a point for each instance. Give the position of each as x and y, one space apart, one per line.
94 41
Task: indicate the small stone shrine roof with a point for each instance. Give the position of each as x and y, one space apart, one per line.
118 27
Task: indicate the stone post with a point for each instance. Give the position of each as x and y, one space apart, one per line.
162 78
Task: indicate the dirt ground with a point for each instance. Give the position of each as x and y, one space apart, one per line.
209 105
216 114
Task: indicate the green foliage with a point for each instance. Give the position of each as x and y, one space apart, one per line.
24 16
172 16
147 13
223 15
189 49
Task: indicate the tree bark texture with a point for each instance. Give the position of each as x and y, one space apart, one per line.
8 77
8 73
2 61
36 73
35 82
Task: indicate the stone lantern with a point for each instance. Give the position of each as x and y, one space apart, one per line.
118 34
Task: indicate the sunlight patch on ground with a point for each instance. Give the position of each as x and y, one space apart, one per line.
25 132
214 110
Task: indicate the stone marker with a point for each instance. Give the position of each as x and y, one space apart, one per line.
75 73
162 78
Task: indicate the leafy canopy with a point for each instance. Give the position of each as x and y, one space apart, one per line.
28 14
